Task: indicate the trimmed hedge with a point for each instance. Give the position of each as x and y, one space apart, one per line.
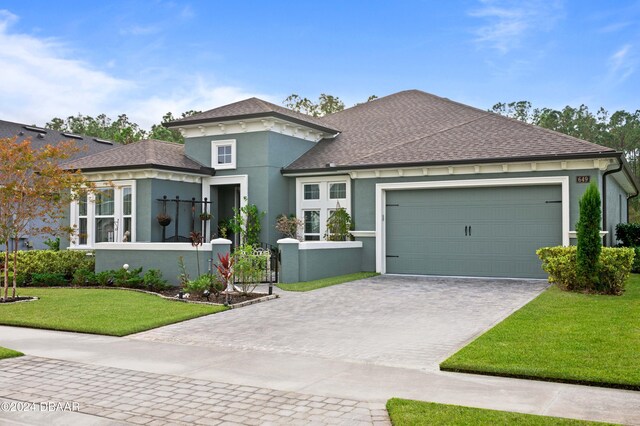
614 267
64 262
628 234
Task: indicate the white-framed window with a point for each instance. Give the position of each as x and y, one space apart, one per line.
317 198
106 215
223 154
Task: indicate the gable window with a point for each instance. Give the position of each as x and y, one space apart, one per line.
223 154
317 198
105 216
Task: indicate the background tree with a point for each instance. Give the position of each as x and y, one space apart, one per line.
121 130
160 132
34 193
620 130
327 104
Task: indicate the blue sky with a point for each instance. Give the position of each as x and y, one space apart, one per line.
147 58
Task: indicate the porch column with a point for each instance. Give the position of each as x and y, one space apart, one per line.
290 260
219 246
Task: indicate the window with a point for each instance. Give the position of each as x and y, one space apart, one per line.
105 216
317 199
337 191
223 154
312 191
312 225
83 214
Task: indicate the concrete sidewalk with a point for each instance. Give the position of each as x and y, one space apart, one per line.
328 378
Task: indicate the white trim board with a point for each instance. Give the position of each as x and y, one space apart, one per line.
382 188
320 245
205 247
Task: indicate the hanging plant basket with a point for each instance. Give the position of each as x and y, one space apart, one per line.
163 219
205 216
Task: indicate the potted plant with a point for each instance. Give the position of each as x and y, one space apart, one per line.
205 216
163 219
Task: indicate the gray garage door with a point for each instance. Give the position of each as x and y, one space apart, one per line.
484 232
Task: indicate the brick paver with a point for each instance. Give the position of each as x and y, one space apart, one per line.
409 322
136 397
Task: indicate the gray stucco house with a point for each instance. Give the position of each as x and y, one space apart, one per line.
434 186
40 138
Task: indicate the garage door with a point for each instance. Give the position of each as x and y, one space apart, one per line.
483 232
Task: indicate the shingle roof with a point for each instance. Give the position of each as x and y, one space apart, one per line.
253 108
414 127
149 153
41 137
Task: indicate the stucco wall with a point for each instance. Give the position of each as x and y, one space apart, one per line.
260 156
162 256
308 261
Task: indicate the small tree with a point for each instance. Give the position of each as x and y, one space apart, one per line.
589 242
34 193
338 225
247 222
289 226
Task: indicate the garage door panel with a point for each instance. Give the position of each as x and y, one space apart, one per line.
425 230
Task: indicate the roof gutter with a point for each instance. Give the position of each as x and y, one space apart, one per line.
604 198
174 124
602 154
207 171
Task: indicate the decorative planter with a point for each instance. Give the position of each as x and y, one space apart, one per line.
163 220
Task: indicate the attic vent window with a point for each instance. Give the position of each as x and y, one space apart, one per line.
35 129
106 142
71 135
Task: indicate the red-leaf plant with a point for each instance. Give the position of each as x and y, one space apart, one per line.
225 271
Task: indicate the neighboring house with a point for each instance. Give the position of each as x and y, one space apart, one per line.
40 138
433 186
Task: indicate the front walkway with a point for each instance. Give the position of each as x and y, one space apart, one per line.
156 399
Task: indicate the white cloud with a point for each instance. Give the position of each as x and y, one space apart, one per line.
508 23
38 82
41 80
622 64
198 95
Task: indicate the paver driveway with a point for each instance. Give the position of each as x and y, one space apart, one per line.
400 321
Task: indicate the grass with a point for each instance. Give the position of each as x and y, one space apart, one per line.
326 282
9 353
110 312
566 337
407 412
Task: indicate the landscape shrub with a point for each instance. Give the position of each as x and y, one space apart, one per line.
48 279
628 234
83 277
248 268
104 278
21 279
200 284
589 241
614 267
64 262
154 281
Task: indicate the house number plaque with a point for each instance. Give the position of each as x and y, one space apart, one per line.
583 179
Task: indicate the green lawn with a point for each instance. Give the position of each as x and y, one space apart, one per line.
8 353
562 336
407 412
326 282
111 312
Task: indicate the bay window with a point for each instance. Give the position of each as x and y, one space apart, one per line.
105 215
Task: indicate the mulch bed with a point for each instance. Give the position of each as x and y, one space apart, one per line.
17 299
233 297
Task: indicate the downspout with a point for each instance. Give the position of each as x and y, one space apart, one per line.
604 199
